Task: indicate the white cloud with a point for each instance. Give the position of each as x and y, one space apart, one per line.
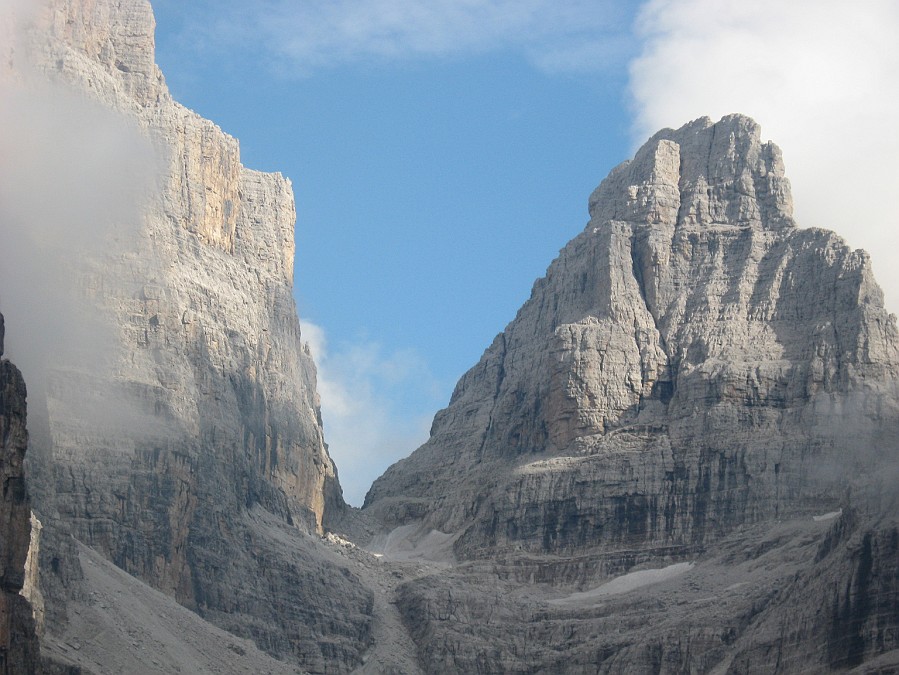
306 36
376 406
820 76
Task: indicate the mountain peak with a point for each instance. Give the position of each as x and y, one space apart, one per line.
690 302
701 174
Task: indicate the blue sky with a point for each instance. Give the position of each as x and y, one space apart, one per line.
443 151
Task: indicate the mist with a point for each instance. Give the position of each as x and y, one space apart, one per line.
366 430
73 179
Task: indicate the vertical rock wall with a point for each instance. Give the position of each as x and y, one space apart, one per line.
197 405
19 651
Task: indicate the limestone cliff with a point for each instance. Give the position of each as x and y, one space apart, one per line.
691 362
699 400
681 454
204 407
18 642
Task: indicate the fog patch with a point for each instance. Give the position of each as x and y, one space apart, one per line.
75 179
860 468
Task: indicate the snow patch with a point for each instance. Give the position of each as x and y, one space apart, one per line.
737 585
828 516
627 583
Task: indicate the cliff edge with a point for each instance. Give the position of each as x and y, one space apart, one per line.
161 445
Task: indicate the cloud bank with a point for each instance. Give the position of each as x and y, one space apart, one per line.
377 406
821 77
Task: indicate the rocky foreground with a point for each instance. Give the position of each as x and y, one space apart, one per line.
680 455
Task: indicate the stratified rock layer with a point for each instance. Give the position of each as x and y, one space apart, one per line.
691 362
692 380
692 369
205 405
19 651
793 597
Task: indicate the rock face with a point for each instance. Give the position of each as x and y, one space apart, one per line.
690 363
19 651
699 399
692 371
205 408
797 596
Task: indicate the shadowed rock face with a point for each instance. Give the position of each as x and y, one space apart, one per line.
204 406
18 643
795 596
690 363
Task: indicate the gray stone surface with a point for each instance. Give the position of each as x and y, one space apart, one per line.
203 406
692 370
680 455
786 597
19 652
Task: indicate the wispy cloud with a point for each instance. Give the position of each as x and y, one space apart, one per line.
303 37
377 406
821 77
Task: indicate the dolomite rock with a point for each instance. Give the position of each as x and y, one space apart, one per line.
204 406
691 362
694 378
31 585
19 651
796 596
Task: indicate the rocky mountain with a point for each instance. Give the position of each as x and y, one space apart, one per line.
691 362
692 372
679 456
200 416
19 652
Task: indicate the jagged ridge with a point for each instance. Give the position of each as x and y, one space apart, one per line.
693 370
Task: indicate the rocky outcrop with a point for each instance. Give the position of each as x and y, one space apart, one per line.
795 596
691 362
201 406
19 652
692 381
